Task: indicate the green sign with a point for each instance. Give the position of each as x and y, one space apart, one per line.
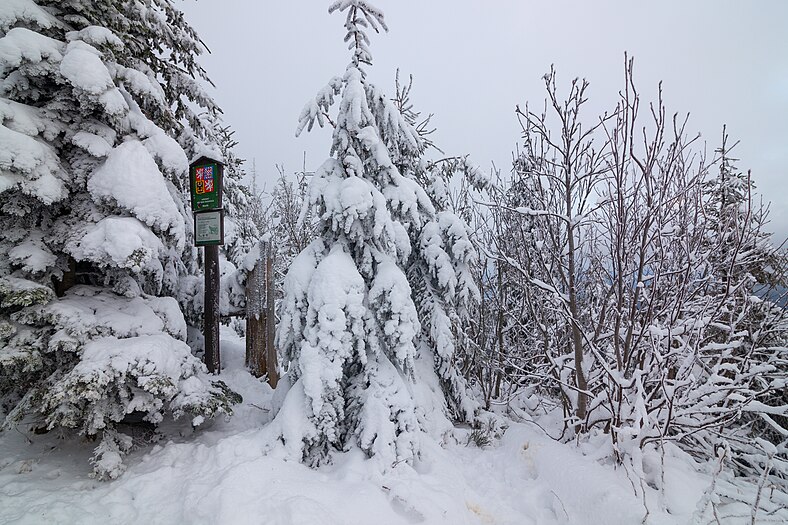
209 228
206 185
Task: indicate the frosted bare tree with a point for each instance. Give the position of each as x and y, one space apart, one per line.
644 278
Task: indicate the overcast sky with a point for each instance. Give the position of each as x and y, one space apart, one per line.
723 61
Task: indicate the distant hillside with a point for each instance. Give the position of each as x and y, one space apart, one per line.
777 295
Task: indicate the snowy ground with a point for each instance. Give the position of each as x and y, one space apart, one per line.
220 476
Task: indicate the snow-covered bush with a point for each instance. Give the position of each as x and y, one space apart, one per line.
638 274
97 116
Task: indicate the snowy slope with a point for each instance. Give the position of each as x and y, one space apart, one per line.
220 476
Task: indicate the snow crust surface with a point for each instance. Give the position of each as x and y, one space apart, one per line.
222 476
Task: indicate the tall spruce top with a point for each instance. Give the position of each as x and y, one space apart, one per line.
361 16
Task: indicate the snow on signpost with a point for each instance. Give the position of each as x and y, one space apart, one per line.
205 182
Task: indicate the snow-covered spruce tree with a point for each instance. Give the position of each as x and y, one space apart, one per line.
737 240
292 223
92 98
439 268
350 330
240 230
241 233
747 334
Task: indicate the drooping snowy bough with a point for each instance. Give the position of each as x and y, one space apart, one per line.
97 265
370 353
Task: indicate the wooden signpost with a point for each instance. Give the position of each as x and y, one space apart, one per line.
205 180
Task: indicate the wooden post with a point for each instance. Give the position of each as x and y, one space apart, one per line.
255 325
260 318
270 317
211 328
